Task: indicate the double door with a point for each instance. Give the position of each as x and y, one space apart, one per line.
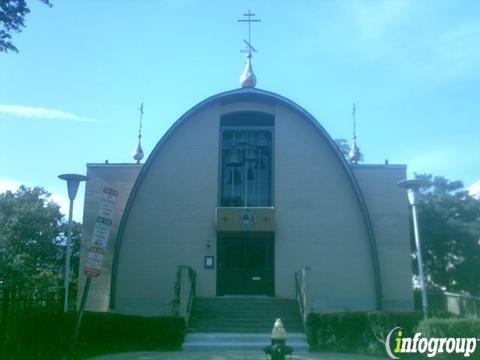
245 264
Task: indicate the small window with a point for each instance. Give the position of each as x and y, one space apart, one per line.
246 163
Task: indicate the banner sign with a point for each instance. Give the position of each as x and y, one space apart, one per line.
101 232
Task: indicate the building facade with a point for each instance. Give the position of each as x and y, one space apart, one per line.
247 188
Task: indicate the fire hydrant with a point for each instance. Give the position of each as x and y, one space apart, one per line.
278 349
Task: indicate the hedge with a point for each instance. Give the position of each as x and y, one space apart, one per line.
42 335
356 332
451 328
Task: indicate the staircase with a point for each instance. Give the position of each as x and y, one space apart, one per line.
242 324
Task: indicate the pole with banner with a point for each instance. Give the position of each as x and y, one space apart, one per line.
97 249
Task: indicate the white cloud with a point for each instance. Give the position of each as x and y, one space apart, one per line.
40 113
411 39
375 29
474 189
433 160
63 201
7 184
375 20
445 160
456 51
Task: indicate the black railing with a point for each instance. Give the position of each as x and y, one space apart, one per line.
447 302
18 305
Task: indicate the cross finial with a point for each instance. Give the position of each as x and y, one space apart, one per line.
249 19
248 78
141 117
354 154
354 109
138 152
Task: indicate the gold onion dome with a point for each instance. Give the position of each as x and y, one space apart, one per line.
138 153
354 154
248 78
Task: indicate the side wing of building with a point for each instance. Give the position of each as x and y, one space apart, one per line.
388 208
120 177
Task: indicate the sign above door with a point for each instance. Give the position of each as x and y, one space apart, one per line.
245 219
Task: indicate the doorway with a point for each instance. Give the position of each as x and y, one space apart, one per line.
245 264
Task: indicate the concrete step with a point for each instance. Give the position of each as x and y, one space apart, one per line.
233 306
236 326
247 314
287 320
239 342
234 303
233 329
232 310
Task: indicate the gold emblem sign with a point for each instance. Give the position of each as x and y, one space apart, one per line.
245 219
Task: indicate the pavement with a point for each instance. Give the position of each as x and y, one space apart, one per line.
228 355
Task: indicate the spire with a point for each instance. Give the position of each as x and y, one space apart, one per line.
248 78
354 154
138 152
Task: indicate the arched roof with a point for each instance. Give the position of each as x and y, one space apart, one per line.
252 94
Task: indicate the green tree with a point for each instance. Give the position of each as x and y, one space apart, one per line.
32 241
12 19
450 231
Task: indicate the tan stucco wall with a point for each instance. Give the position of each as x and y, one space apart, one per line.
172 219
319 223
120 177
388 208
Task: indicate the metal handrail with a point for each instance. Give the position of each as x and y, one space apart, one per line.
188 294
463 296
191 295
301 297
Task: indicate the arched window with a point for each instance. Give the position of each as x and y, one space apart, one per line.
246 160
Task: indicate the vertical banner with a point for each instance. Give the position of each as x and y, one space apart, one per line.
101 232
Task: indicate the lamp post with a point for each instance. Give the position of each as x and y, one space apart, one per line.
73 181
412 187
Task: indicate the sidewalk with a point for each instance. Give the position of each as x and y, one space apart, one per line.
227 355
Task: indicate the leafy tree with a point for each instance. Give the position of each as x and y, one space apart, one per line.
32 241
12 18
345 147
449 221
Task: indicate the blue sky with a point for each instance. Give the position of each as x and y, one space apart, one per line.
71 95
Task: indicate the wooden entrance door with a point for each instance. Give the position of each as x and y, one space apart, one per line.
245 265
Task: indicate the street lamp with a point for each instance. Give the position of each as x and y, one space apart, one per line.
73 181
412 187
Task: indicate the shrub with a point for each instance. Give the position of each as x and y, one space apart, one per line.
449 327
125 332
340 332
46 335
356 332
35 334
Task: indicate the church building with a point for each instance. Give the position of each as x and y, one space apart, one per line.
248 189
